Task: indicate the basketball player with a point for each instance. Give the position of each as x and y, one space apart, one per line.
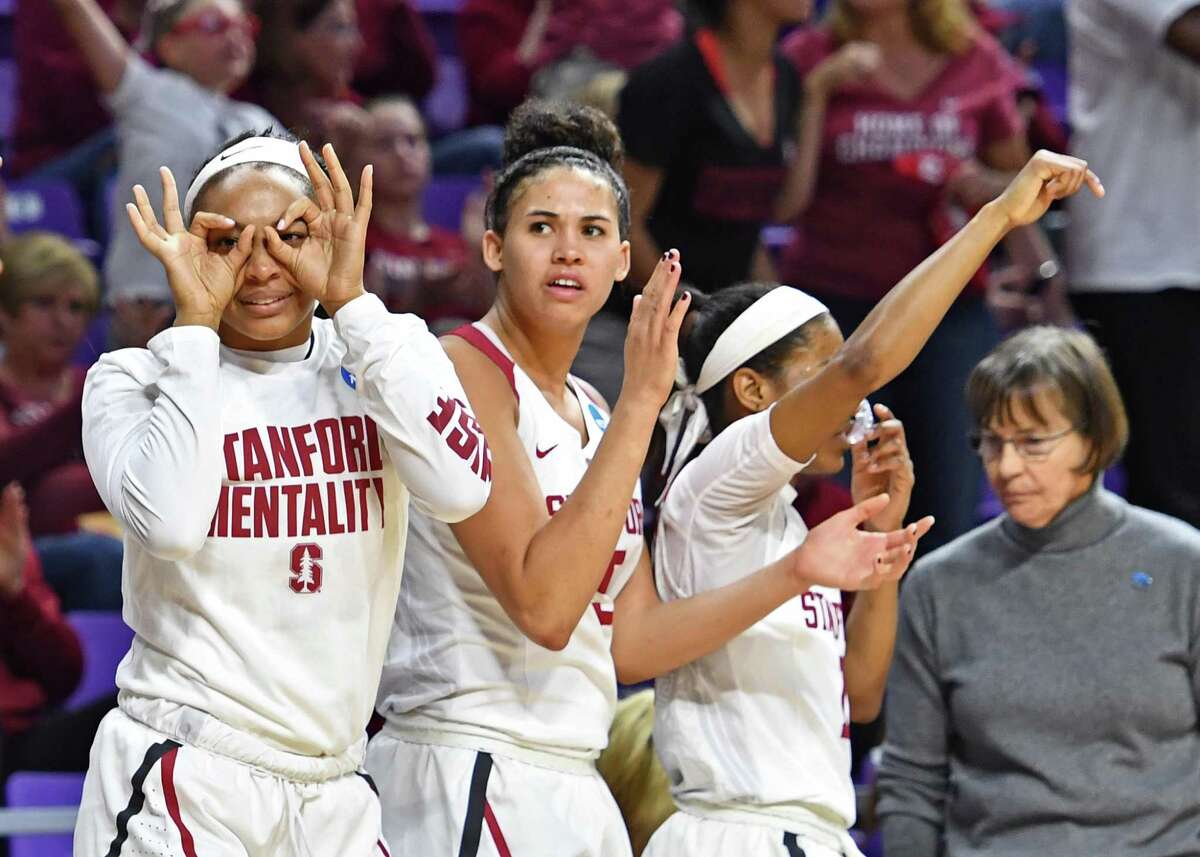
262 464
501 680
755 736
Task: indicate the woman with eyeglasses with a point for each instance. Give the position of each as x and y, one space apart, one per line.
171 113
1045 692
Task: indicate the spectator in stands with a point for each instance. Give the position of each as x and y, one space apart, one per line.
307 55
398 52
1046 678
40 661
59 105
414 266
910 121
706 126
48 293
1135 265
505 43
169 116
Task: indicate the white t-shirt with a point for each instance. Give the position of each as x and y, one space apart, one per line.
760 727
458 670
265 504
164 118
1135 113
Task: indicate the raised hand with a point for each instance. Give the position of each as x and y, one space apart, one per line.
839 555
202 281
885 468
328 265
1044 178
652 340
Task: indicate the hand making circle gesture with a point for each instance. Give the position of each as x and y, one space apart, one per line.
202 282
329 265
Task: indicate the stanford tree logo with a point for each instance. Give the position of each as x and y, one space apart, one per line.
306 569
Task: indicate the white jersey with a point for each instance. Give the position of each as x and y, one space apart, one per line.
265 501
760 727
458 670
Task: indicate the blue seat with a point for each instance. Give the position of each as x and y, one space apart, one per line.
105 639
41 789
444 199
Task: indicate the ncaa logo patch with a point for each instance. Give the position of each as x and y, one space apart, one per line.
598 416
350 380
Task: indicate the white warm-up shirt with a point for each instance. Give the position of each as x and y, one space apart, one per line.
265 504
1135 116
759 729
458 670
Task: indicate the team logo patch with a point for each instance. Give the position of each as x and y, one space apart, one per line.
598 416
350 380
306 569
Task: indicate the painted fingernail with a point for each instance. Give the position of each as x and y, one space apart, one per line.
280 224
666 255
674 267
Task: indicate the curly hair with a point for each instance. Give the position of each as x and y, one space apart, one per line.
943 26
542 135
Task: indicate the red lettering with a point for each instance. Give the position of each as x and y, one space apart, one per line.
336 527
353 438
266 511
283 454
231 469
373 457
329 438
314 512
292 494
811 618
304 447
635 518
348 493
440 418
220 522
378 483
363 486
604 610
554 502
240 502
254 454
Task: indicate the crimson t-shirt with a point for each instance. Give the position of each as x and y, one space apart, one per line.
428 277
879 206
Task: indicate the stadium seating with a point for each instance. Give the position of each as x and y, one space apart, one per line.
105 639
40 789
444 199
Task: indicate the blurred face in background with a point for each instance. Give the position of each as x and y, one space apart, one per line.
1033 463
49 325
327 47
212 43
396 144
868 8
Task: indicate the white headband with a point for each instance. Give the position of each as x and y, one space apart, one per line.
762 324
254 150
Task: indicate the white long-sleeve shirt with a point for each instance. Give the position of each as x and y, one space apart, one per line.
265 498
757 731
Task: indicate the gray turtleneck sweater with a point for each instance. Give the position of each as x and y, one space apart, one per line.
1045 693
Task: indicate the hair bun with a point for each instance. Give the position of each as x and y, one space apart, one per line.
540 124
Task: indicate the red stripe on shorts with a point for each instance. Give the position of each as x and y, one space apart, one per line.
168 781
383 848
494 827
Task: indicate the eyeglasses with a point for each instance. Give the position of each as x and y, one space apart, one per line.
1030 447
214 22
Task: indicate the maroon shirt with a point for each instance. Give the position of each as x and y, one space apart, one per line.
398 54
625 33
58 102
41 447
432 278
40 657
880 207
